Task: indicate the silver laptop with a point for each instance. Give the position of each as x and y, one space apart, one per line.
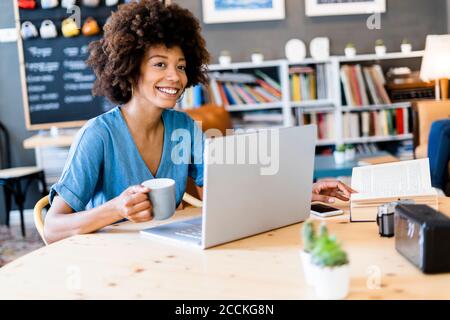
247 192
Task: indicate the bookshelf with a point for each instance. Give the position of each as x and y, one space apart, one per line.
321 97
394 112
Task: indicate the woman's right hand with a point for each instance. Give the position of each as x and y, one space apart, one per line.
133 204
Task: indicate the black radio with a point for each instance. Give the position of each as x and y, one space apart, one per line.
422 235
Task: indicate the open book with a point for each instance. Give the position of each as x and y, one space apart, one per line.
379 184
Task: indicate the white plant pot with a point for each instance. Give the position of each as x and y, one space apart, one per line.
339 157
332 283
406 48
308 268
350 52
257 58
380 50
224 60
350 154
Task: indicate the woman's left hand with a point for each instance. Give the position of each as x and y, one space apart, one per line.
329 190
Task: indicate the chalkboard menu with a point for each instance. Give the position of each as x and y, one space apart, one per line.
57 84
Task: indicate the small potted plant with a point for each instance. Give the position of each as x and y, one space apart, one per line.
350 50
309 239
380 48
330 267
257 56
339 154
406 47
350 152
225 58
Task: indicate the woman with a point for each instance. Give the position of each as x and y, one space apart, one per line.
148 56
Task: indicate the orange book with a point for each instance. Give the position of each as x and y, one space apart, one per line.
223 95
269 88
355 86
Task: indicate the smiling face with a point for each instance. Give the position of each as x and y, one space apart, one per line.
162 76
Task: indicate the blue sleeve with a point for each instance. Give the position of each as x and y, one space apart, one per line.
81 171
197 146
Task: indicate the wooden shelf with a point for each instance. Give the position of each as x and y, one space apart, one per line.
246 65
312 104
325 143
378 107
387 56
252 107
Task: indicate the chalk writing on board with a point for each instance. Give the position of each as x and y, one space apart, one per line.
74 65
78 86
43 78
71 51
37 88
43 66
43 97
44 106
77 99
78 77
40 52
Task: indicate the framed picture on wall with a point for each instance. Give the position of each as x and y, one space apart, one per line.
226 11
315 8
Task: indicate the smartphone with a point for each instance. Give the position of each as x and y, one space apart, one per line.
325 211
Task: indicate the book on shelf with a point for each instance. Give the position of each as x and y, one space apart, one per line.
307 83
323 121
268 80
376 123
383 183
229 89
194 97
363 86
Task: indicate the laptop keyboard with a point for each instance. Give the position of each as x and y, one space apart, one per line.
194 232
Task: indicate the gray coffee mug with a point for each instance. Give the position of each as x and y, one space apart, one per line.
162 196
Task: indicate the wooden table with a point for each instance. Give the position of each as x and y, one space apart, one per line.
117 263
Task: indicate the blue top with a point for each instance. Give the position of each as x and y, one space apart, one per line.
104 160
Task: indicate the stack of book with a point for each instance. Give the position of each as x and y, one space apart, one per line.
307 83
231 89
363 86
376 123
384 183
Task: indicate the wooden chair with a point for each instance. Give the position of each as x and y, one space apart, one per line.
12 179
211 117
39 218
425 113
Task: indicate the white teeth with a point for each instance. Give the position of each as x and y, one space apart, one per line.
168 91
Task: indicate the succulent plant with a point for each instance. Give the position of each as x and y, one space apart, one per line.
350 45
340 148
349 147
327 251
309 236
379 42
